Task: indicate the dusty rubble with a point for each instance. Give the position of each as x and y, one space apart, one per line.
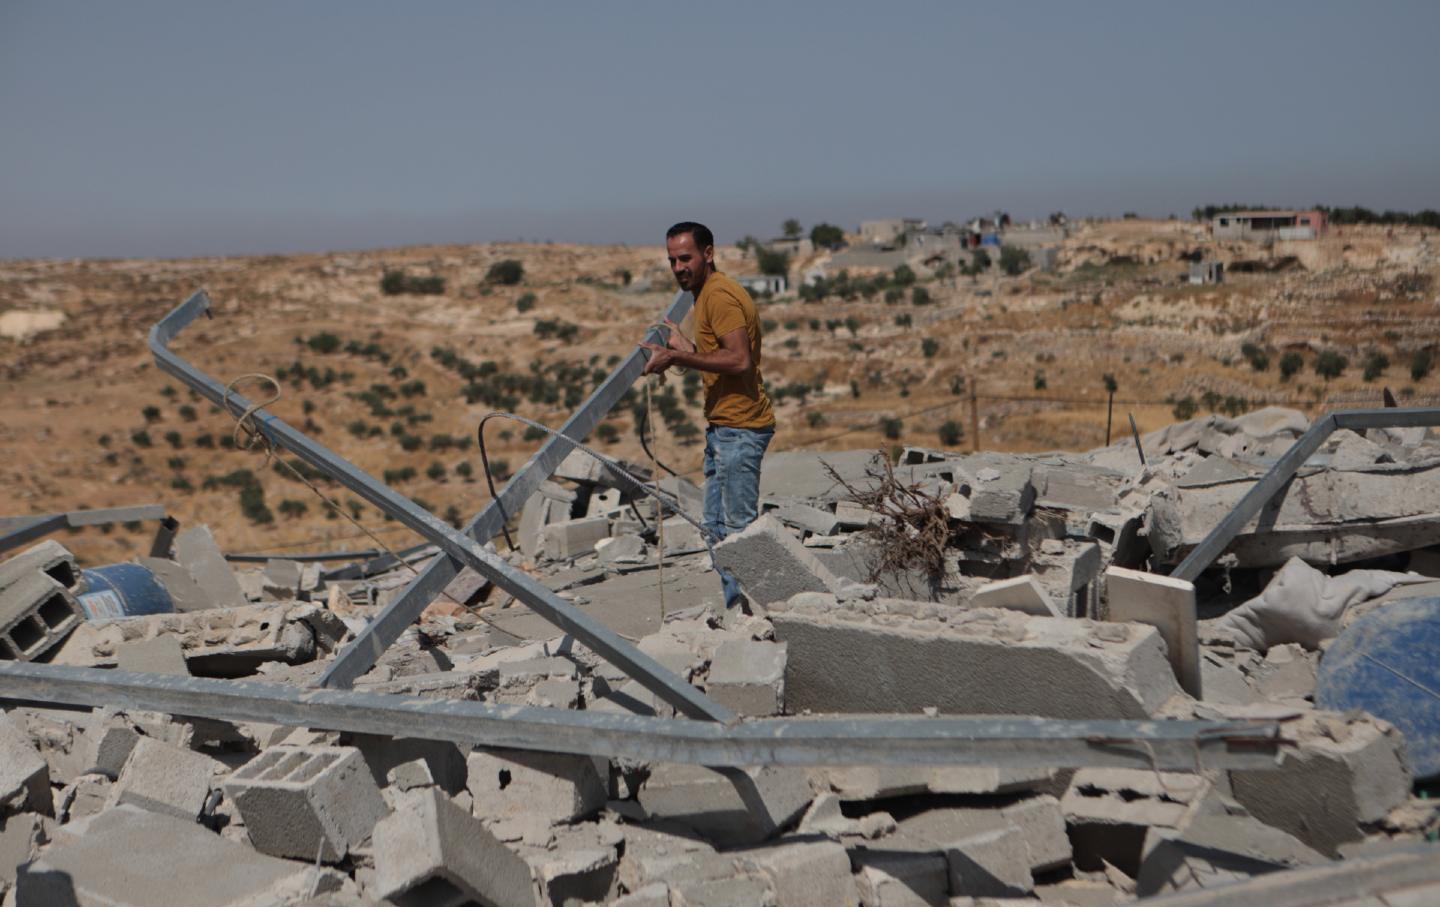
1045 607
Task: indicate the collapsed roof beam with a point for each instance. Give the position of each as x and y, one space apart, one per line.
16 531
858 740
462 548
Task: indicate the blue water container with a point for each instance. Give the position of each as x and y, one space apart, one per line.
123 590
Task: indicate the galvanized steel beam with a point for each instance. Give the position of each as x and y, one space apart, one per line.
850 740
462 548
16 531
1279 475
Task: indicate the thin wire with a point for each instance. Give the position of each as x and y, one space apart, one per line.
660 523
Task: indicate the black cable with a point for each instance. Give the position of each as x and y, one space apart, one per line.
645 423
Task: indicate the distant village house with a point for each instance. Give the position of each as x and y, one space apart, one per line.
1268 226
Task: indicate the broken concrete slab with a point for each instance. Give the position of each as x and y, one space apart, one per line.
887 878
129 857
748 677
156 655
429 850
185 593
569 539
1022 593
621 549
196 551
1099 796
804 873
802 474
36 614
875 782
1216 850
804 517
166 779
550 788
221 642
1346 772
1040 822
1068 570
306 802
990 864
21 837
731 808
989 662
1168 605
1002 493
772 565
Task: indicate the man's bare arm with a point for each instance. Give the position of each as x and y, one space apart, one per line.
732 358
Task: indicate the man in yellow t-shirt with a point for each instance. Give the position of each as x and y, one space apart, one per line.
726 352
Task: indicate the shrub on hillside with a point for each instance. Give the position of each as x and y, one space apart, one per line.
506 273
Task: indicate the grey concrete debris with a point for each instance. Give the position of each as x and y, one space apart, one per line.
50 558
1023 593
36 614
979 662
748 677
166 779
1216 850
130 857
24 775
731 808
514 786
770 563
197 552
431 851
571 538
186 594
308 803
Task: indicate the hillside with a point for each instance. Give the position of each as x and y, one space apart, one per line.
87 420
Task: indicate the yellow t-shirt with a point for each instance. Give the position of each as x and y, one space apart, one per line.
735 401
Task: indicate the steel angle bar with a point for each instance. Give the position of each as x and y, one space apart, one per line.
1279 475
361 655
463 548
16 531
848 740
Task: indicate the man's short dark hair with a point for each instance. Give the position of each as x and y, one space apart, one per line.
702 234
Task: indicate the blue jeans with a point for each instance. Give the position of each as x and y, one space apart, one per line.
732 486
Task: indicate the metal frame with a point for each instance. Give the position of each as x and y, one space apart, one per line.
1279 475
16 531
361 655
859 740
461 547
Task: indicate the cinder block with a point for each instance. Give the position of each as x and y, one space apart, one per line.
36 613
897 878
572 538
306 802
1168 605
548 787
24 773
49 557
1002 495
431 851
748 677
1022 593
1217 850
166 779
805 874
382 753
1038 820
157 655
991 864
772 565
732 807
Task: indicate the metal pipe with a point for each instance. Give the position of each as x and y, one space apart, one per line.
360 656
461 548
830 740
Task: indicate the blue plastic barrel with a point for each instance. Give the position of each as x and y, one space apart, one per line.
123 590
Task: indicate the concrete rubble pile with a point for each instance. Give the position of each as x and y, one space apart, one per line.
1045 607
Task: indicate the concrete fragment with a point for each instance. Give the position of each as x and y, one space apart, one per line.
308 803
1168 605
166 779
989 662
1022 593
748 677
1345 772
1043 841
185 593
681 535
1217 850
86 796
622 549
1068 572
1138 797
802 474
730 808
875 782
804 873
1002 493
849 515
21 837
805 517
156 655
220 642
887 878
572 538
990 864
383 753
770 564
431 851
196 551
36 613
550 787
282 579
549 504
24 773
128 857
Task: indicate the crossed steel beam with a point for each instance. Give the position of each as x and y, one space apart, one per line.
1270 484
461 548
16 531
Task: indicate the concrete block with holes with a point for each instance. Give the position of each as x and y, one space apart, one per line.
300 801
49 557
550 787
36 613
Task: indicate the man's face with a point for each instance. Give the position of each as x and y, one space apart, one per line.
690 264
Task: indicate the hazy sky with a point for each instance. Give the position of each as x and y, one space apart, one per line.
182 128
